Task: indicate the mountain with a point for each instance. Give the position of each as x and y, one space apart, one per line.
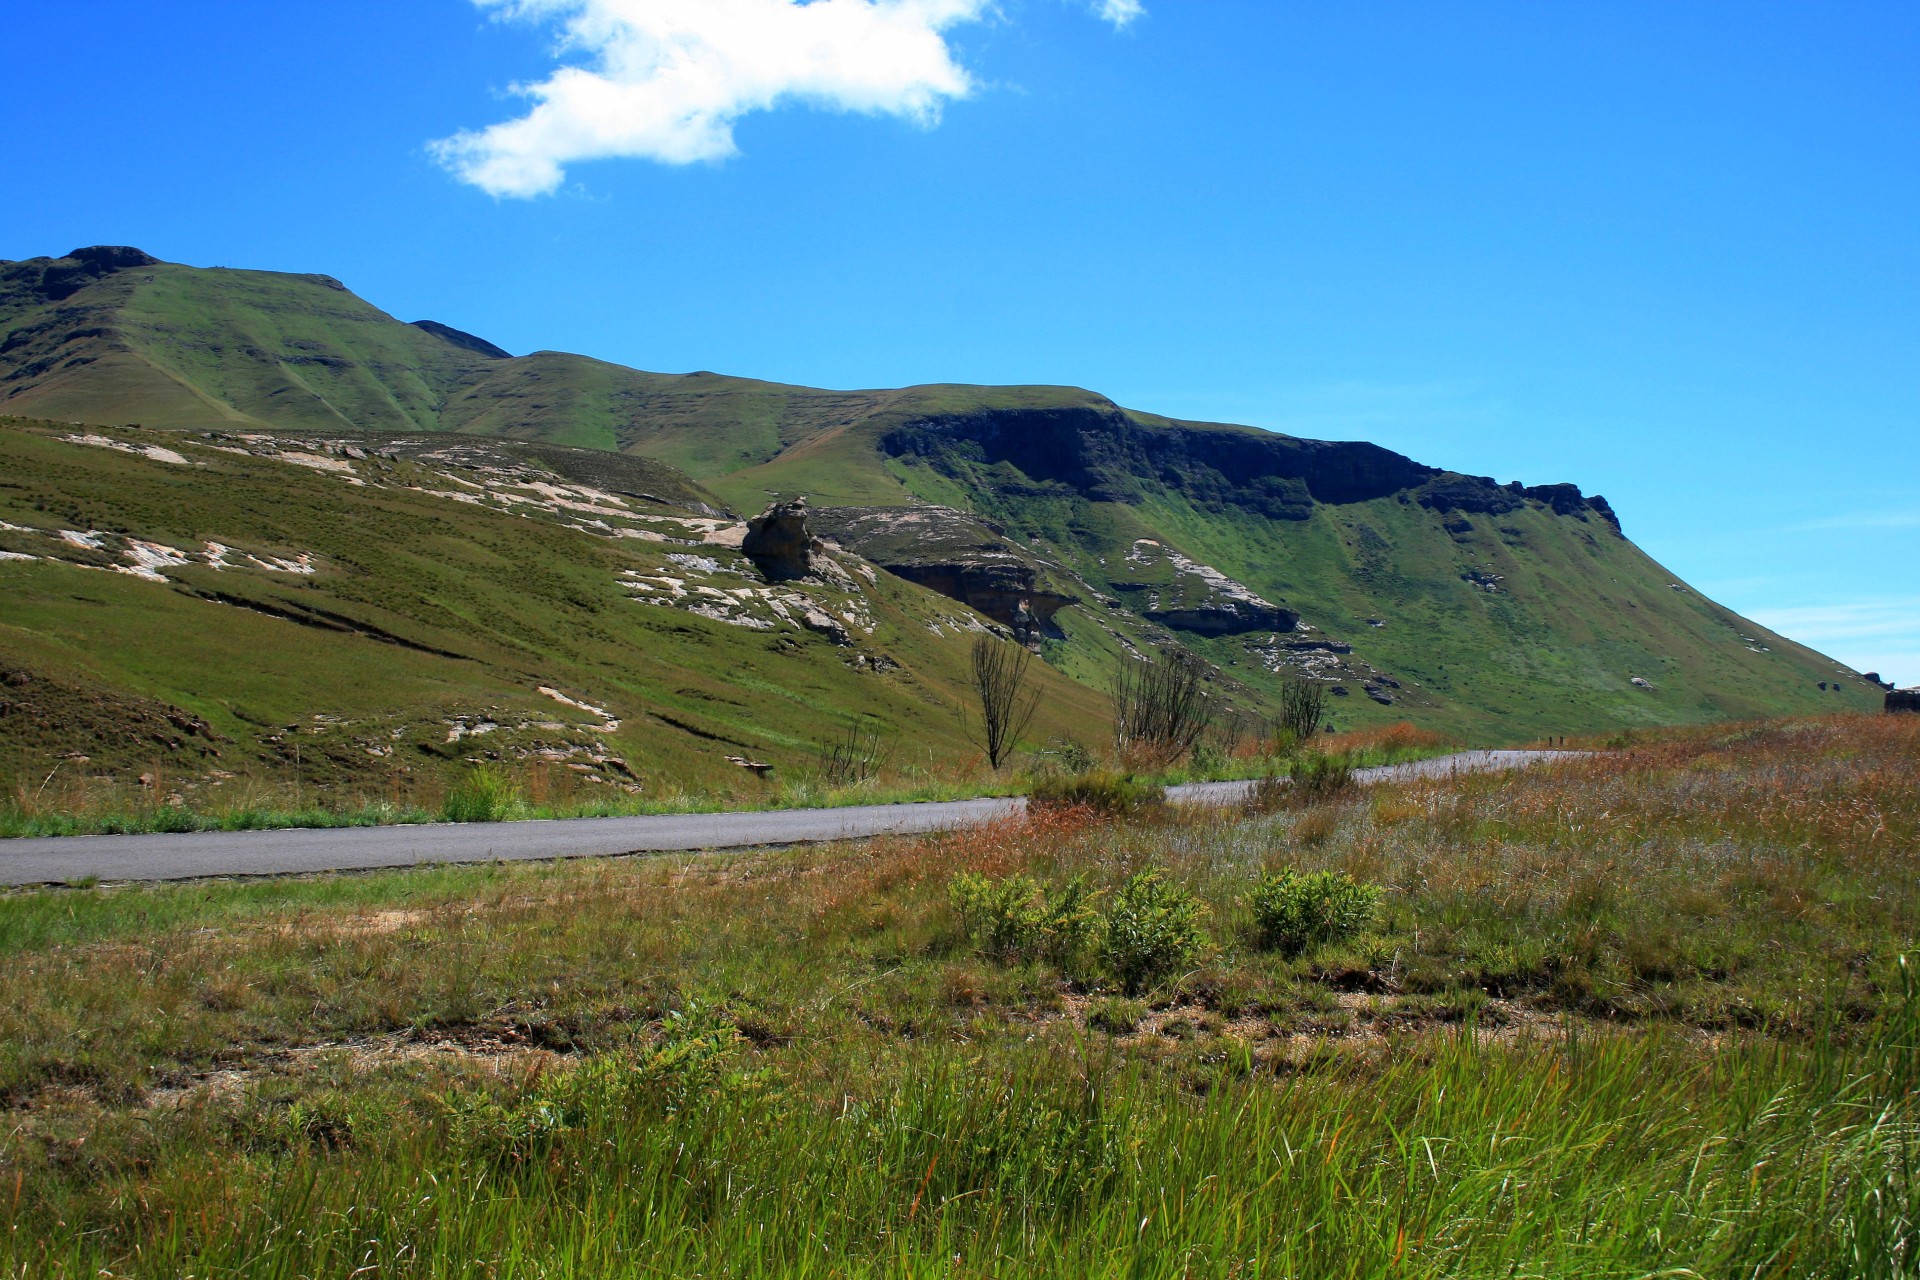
359 611
1495 611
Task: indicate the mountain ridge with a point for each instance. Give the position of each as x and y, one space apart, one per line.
1494 610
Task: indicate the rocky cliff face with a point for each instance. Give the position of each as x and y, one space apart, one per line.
1904 700
57 279
958 555
1108 456
1479 495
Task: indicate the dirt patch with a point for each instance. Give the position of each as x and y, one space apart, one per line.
497 1050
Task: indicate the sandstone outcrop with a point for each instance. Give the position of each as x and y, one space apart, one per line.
957 554
1480 495
61 278
781 544
1179 592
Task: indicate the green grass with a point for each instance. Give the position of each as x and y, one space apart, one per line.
1643 1015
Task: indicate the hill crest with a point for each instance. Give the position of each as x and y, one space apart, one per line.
1497 609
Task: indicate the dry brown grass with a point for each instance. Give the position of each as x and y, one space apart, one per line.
1393 739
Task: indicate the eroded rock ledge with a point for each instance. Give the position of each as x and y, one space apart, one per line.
959 555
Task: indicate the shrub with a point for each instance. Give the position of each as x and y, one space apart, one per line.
1152 929
1112 795
1303 705
1116 1017
1161 705
1207 757
1318 778
484 795
1294 912
1017 917
1268 794
854 757
693 1059
1063 755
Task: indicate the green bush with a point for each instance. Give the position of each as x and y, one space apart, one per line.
694 1058
1109 794
1116 1017
1294 912
1063 755
1152 929
1318 777
484 795
1016 917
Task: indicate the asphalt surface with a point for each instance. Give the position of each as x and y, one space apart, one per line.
190 856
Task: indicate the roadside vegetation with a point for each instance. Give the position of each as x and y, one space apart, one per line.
1652 1012
856 767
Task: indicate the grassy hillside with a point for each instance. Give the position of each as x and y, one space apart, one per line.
1501 624
1490 611
370 617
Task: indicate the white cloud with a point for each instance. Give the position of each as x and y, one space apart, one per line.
1852 620
1861 520
1868 635
666 79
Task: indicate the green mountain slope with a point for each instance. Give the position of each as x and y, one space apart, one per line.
1495 611
366 607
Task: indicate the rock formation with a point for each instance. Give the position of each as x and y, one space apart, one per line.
61 278
1904 700
781 544
957 554
1178 591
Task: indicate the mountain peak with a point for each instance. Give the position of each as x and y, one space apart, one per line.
113 257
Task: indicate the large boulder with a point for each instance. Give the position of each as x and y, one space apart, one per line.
781 543
1904 700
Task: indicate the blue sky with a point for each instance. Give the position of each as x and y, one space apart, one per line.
1669 251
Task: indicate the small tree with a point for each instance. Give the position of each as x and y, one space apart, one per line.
1303 704
1007 705
1161 705
853 758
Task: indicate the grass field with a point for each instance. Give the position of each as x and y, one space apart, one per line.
1646 1014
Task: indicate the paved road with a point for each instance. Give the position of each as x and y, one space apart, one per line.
251 853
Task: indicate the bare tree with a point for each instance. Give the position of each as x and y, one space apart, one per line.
1303 704
855 757
1007 706
1161 705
